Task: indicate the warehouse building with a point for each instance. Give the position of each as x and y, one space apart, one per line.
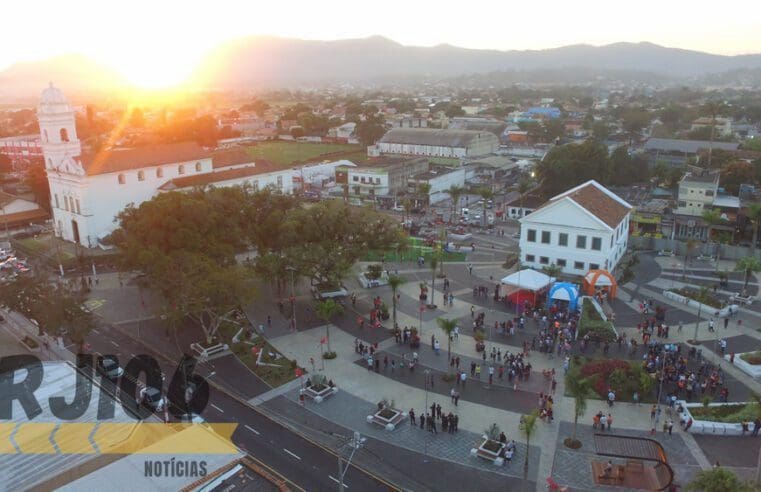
437 143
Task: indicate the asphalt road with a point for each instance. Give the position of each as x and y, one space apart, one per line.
307 465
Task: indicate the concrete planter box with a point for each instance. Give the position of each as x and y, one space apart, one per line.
708 426
367 283
489 450
752 370
704 308
387 418
319 392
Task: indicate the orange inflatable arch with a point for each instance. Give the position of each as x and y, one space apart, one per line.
593 277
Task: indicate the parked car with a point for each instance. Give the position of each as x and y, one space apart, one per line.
110 368
152 399
397 208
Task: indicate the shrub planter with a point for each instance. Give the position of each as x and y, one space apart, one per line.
369 283
387 418
572 443
489 450
748 367
318 392
710 426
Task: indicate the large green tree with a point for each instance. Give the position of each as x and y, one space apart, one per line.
566 166
447 326
719 480
748 265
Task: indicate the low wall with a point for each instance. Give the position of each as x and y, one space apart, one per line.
726 252
752 370
707 426
725 312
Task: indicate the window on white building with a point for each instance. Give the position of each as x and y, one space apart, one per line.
597 243
66 203
544 260
50 163
122 179
594 266
561 262
709 192
141 175
45 132
77 203
578 265
180 169
198 167
255 185
563 239
64 135
581 242
530 258
531 236
159 173
57 205
280 182
546 237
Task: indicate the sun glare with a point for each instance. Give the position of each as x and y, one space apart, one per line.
148 74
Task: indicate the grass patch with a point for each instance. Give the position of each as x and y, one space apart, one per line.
33 245
591 323
728 414
275 376
753 358
706 298
286 154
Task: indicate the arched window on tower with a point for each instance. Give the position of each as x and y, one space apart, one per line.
64 135
122 179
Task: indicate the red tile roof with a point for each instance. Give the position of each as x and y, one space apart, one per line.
117 160
231 157
598 201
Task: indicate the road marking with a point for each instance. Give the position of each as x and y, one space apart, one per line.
292 454
252 429
114 343
133 355
217 408
95 331
337 481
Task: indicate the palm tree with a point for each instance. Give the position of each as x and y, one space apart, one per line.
528 427
433 264
748 265
552 270
395 281
326 310
712 217
580 389
455 192
689 248
448 326
754 215
423 191
407 204
524 186
486 193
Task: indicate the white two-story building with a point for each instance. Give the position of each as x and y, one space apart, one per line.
87 191
585 228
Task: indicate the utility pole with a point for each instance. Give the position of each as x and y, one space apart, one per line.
697 324
355 443
427 373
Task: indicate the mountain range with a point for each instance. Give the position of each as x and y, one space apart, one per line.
270 61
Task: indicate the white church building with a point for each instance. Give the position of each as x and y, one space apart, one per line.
88 190
585 228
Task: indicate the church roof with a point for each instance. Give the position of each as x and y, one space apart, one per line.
231 157
599 201
117 160
219 176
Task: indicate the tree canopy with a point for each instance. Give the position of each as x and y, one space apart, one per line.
566 166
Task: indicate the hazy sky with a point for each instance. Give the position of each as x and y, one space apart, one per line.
162 39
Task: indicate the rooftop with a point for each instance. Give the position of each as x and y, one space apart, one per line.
686 146
599 201
118 160
231 157
218 176
726 201
432 136
704 177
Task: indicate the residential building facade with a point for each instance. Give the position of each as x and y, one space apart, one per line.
437 143
585 228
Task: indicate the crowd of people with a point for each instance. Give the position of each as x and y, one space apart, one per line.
430 420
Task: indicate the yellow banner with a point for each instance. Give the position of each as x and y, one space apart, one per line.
117 438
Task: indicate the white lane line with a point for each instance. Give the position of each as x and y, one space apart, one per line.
252 429
292 454
337 481
133 355
114 343
217 408
95 331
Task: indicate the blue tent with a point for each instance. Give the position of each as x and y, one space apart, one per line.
565 291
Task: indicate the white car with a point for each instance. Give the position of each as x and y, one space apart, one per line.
152 398
397 208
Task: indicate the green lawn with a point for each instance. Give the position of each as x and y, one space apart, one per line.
288 153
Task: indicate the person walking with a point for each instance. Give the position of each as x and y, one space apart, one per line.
412 417
463 378
609 421
422 420
611 398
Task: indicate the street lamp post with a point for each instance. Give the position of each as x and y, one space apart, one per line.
356 443
293 297
697 324
427 373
